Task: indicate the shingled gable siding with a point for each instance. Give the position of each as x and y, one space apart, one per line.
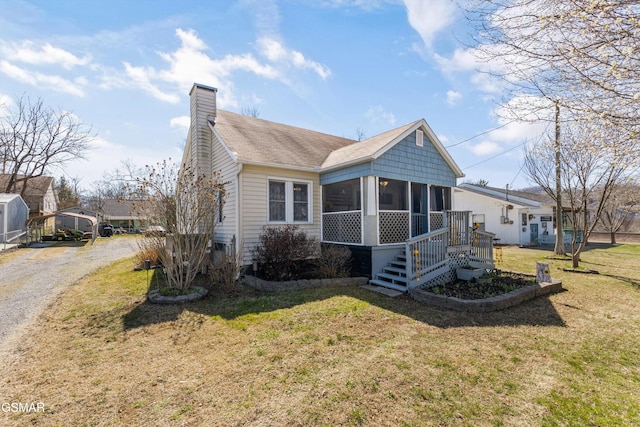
223 162
405 161
254 203
408 162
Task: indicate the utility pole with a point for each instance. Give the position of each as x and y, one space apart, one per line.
559 248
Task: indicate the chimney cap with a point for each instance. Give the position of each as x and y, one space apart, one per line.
201 86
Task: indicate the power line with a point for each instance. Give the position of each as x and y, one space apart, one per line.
480 134
493 157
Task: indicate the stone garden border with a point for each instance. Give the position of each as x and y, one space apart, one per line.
487 305
155 297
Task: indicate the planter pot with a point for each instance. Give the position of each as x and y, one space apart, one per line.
469 273
484 280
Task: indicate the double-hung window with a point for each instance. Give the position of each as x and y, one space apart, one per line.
289 201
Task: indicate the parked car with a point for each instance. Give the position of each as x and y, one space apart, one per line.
105 230
155 230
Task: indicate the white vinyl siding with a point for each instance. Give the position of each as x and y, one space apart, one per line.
223 162
254 203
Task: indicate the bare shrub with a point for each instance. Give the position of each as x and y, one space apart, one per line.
149 249
226 269
334 261
186 205
282 251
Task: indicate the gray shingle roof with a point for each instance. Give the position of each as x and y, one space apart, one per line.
258 141
365 149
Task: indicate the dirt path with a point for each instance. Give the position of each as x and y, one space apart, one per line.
31 277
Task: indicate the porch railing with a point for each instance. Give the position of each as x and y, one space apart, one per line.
342 227
429 255
482 248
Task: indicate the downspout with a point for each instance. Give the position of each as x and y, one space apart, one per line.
239 234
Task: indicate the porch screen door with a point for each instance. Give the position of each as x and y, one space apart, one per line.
419 209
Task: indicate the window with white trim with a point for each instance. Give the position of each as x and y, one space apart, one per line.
289 201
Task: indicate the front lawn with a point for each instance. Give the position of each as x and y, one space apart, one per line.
102 355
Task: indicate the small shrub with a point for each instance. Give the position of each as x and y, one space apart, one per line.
334 261
282 251
226 270
149 249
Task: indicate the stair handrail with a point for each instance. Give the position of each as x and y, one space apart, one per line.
423 250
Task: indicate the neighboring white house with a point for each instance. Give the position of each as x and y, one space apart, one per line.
14 213
516 217
370 195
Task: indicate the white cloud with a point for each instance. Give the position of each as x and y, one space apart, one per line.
274 51
430 17
190 63
142 78
182 122
28 52
6 101
485 148
377 115
453 97
34 78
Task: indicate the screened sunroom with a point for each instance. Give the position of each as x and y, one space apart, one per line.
374 210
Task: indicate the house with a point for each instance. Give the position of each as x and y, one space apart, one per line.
371 196
14 213
125 214
516 217
38 194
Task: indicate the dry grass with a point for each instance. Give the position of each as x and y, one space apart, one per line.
103 356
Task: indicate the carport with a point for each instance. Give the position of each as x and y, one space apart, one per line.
39 220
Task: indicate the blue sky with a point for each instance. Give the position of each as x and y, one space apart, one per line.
335 66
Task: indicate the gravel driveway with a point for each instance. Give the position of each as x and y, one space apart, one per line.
31 277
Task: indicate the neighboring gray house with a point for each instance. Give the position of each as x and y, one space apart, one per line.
124 214
372 195
13 217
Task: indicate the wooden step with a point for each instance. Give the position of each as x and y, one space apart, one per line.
392 278
389 285
396 270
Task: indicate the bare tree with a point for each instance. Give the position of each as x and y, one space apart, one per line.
618 212
35 140
578 56
589 171
251 112
581 53
188 207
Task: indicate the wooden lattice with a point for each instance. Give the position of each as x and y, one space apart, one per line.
343 227
394 226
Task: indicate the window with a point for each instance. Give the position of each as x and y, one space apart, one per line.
289 201
300 202
277 201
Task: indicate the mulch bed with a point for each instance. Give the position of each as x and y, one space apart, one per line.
502 283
